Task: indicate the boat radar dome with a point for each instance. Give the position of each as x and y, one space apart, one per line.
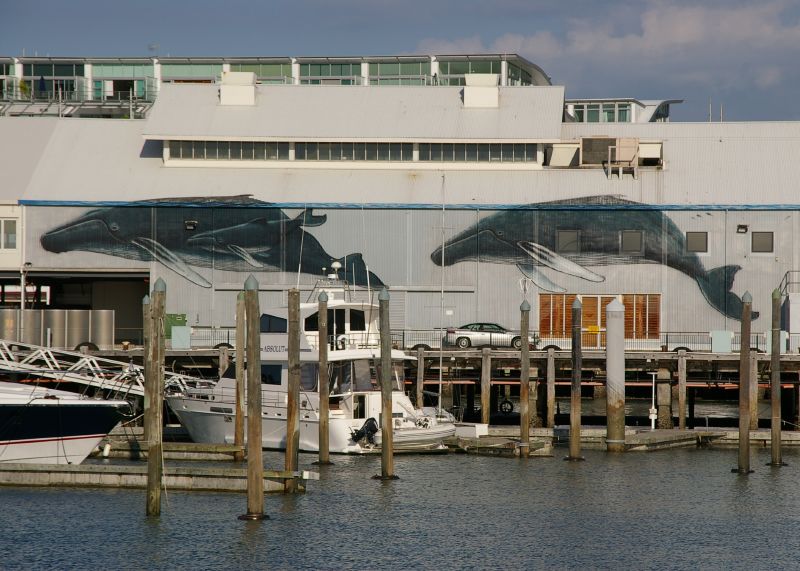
335 266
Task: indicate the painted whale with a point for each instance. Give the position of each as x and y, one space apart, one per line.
224 237
527 239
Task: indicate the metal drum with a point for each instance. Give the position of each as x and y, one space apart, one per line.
32 326
103 328
55 322
77 327
9 324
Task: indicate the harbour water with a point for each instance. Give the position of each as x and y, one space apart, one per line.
677 509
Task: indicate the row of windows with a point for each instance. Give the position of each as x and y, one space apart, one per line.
52 69
478 152
262 70
228 150
632 242
462 67
354 151
330 69
603 113
122 70
428 152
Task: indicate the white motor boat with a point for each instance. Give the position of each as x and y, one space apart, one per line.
208 413
48 426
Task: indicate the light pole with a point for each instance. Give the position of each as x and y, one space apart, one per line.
653 409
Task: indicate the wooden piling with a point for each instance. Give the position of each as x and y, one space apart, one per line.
744 387
155 354
682 389
293 395
486 384
753 388
238 427
255 458
551 388
147 340
575 393
420 395
615 377
775 381
386 380
524 380
324 383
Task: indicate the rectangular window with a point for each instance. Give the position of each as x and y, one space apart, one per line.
579 114
235 151
472 152
9 235
568 241
273 324
372 151
495 154
436 151
624 113
447 152
271 374
483 153
360 151
608 113
394 152
247 151
631 242
211 150
593 113
186 150
283 151
697 242
383 151
762 242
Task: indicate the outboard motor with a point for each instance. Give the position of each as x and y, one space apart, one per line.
368 431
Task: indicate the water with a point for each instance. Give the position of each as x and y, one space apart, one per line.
677 509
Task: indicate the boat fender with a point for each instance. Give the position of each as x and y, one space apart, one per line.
341 342
506 407
367 430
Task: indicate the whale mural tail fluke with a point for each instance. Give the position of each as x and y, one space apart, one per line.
308 219
716 287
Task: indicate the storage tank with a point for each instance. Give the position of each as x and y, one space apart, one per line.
102 329
32 326
77 327
55 321
9 324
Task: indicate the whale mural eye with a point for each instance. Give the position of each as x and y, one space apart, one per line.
114 227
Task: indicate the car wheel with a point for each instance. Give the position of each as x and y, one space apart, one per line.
463 343
516 343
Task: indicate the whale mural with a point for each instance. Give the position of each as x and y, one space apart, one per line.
527 238
224 234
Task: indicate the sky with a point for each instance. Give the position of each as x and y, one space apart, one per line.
741 56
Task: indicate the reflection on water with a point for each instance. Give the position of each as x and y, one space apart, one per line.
639 407
676 509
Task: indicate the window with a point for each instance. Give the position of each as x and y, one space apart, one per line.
568 241
631 242
270 374
697 242
762 242
9 235
308 376
272 324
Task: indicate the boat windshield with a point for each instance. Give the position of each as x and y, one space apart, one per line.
361 375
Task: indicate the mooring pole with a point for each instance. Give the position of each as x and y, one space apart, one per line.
744 386
324 383
238 427
149 365
615 377
486 385
682 389
575 395
524 380
420 378
255 459
293 396
551 388
155 466
775 380
386 380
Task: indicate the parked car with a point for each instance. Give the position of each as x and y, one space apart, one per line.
483 334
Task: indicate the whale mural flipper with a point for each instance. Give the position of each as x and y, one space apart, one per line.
308 219
546 257
245 255
533 273
716 287
170 260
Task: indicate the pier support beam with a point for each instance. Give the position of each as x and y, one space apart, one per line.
615 377
775 381
575 393
682 389
551 388
486 383
524 381
664 398
420 378
155 354
324 382
293 394
386 380
238 427
753 397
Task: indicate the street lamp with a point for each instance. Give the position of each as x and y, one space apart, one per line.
653 410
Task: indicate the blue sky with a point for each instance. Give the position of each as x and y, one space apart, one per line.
743 55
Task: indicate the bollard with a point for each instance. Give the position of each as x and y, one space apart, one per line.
775 381
524 380
486 384
238 427
744 387
551 388
255 458
387 438
293 396
324 383
155 468
575 393
682 389
615 377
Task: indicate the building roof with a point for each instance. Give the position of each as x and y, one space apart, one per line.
335 113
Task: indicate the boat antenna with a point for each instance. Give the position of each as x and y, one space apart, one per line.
302 235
